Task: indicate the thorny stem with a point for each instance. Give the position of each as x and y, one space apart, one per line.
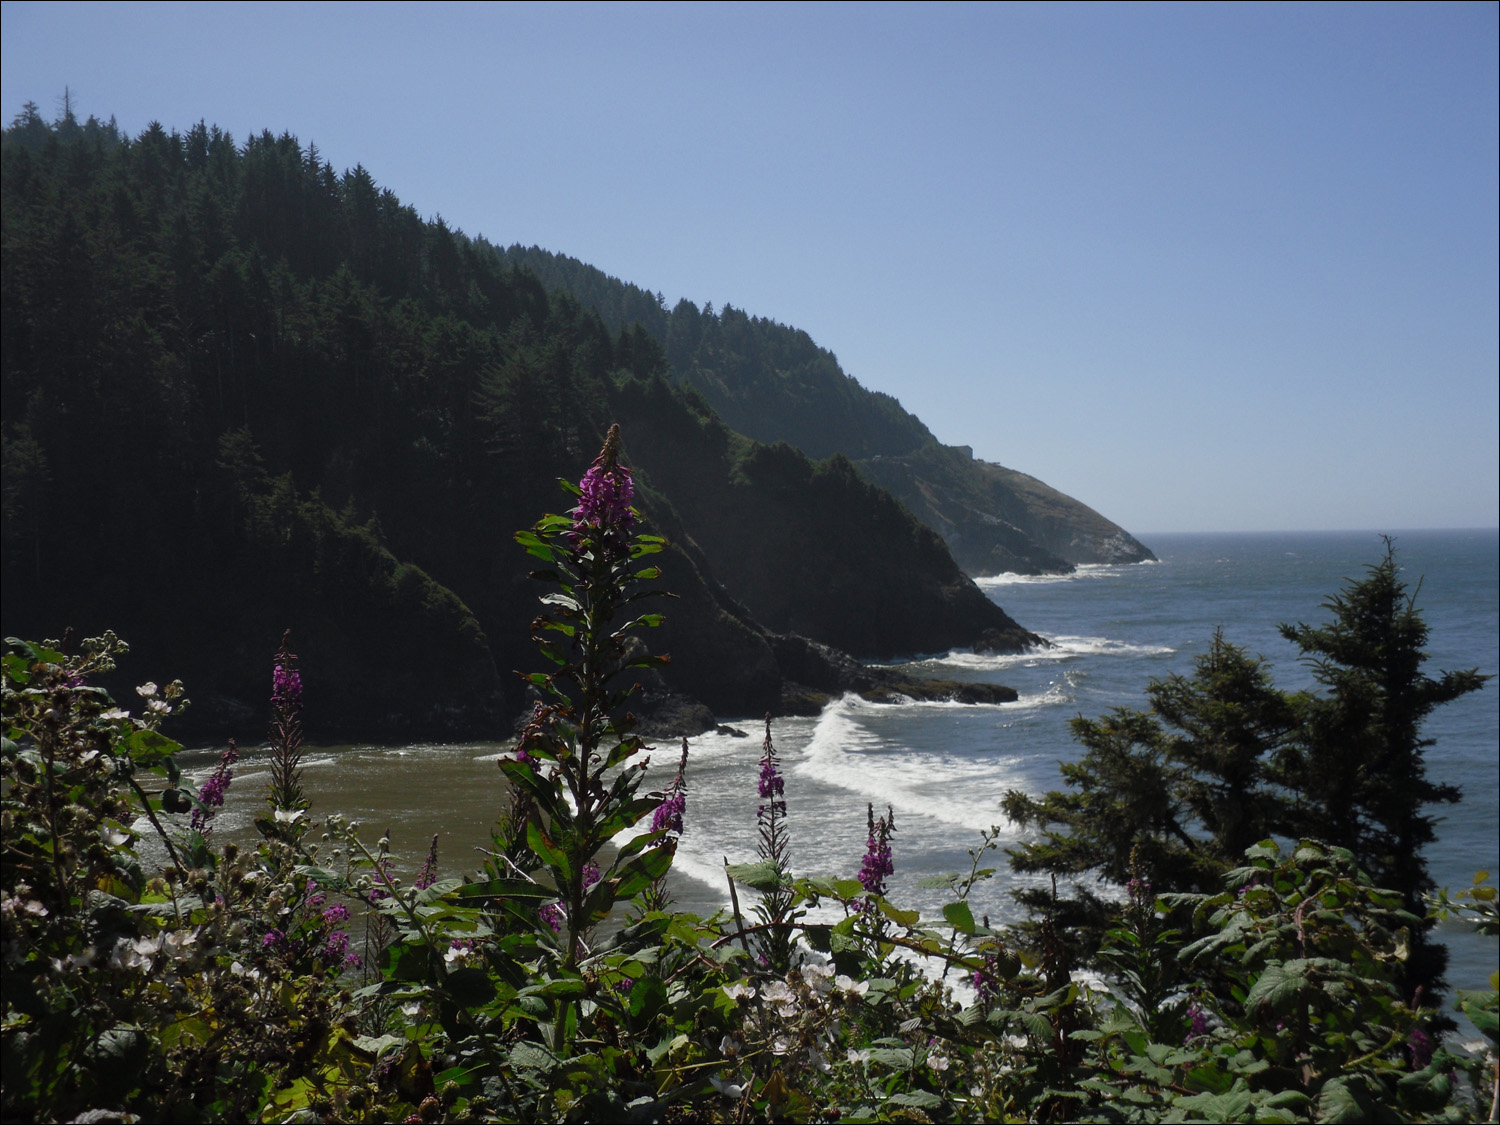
734 899
156 824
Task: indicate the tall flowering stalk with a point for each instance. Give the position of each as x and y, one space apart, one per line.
572 766
776 945
211 792
667 824
286 731
427 874
878 863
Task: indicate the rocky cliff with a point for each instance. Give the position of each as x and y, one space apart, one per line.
773 383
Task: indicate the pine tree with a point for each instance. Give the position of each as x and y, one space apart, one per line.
1172 796
1358 764
1234 727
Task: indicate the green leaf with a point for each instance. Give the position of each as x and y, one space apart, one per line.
897 1058
907 918
505 888
1277 987
647 997
1339 1102
641 872
1483 1010
917 1099
1217 1107
531 1056
377 1045
406 962
147 748
562 988
549 852
960 917
1038 1026
763 875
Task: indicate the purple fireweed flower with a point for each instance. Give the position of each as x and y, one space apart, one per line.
1197 1024
606 491
1420 1048
591 874
272 939
336 948
336 913
552 915
212 791
428 873
382 887
771 782
986 979
286 687
772 786
286 730
668 815
878 862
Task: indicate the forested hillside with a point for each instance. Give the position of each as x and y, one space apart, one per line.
244 392
773 383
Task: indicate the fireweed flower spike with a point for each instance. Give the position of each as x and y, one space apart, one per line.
605 494
777 947
668 815
211 793
427 875
877 862
286 730
578 766
668 819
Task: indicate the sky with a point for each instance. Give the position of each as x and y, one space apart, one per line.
1205 268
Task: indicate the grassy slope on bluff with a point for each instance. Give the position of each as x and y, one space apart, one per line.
242 392
773 383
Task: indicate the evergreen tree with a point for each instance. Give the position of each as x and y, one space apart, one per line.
1172 795
1234 726
1358 764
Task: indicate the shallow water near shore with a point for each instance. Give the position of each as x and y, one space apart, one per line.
944 768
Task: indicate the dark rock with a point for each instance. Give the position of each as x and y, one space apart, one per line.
817 673
996 640
671 716
799 699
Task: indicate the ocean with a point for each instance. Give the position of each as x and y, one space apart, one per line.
944 768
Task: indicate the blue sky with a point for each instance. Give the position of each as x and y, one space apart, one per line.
1204 268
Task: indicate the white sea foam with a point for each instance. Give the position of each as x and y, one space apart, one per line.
1084 572
1062 648
1067 648
844 754
1057 692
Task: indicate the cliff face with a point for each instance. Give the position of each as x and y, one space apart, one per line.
773 383
996 520
807 547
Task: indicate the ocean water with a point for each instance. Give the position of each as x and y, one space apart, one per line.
944 768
